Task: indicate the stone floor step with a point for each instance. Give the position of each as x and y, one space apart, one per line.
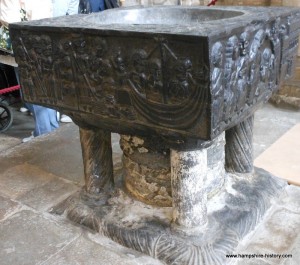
282 158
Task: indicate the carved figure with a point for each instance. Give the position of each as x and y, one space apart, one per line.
98 66
265 65
41 54
255 62
138 76
244 43
274 36
230 76
181 85
119 65
80 59
154 81
217 82
26 69
243 71
64 76
64 72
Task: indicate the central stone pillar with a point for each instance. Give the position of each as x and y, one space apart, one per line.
146 169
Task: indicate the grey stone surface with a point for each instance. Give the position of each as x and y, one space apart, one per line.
274 237
295 249
31 238
7 142
289 94
43 197
51 152
60 144
278 234
292 199
100 251
21 179
7 207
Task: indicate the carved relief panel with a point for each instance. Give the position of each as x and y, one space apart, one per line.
155 80
252 62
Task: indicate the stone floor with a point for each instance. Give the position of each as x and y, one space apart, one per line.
37 175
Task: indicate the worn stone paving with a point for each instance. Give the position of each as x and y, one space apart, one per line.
34 177
37 175
6 142
278 234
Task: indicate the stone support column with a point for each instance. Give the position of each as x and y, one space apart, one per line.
239 147
188 172
97 160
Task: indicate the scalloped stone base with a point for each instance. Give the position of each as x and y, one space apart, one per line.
232 214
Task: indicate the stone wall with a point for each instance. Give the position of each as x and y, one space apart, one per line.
292 3
289 93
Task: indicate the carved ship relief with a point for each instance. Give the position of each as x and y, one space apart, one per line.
156 86
169 95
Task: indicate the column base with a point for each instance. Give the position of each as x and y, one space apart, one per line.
232 214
